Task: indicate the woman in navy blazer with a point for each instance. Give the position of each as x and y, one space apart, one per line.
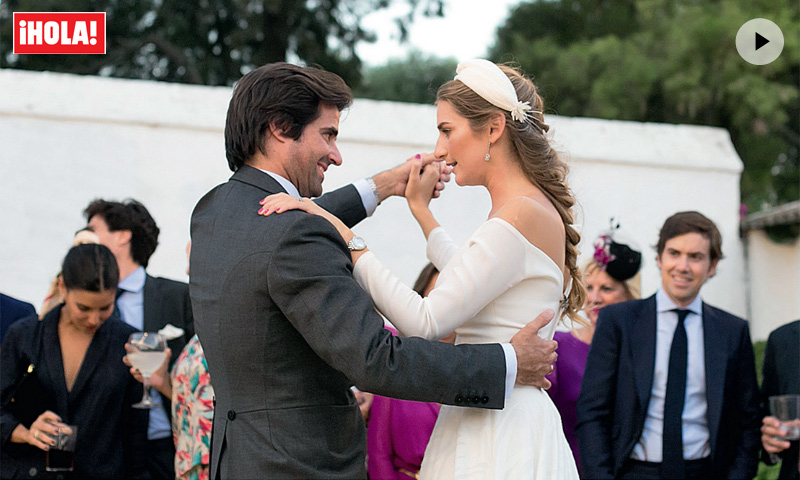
77 352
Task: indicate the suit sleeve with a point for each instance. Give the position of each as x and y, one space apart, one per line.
345 203
745 459
597 399
12 358
310 279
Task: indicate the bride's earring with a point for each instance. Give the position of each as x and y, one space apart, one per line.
488 155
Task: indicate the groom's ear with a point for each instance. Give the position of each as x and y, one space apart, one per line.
279 133
497 124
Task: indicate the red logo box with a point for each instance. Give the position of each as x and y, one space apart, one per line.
60 33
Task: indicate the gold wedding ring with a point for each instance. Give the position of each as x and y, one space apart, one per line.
36 434
552 368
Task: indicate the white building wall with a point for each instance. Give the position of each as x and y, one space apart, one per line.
774 272
68 139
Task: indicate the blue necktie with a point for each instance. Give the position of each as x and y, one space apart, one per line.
673 466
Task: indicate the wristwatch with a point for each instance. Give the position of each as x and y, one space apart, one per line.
356 244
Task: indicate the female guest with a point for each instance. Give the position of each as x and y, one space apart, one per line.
74 362
520 261
399 430
611 276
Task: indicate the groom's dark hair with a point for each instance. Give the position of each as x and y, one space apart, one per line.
282 94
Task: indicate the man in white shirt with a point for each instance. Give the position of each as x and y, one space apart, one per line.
670 386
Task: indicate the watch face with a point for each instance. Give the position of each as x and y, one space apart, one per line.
357 243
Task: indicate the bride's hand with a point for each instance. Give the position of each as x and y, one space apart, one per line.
283 202
422 183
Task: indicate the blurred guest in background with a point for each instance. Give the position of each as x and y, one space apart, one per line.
189 387
670 388
12 310
611 276
69 368
781 377
145 302
53 297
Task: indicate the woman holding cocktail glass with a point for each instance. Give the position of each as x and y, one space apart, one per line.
65 373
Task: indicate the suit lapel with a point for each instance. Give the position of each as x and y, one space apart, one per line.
642 333
94 356
51 368
716 355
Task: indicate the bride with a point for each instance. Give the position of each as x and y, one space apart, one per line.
520 261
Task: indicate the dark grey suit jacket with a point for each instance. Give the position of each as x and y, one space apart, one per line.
616 387
286 331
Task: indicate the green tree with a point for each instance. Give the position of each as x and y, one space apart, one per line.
414 79
214 42
670 61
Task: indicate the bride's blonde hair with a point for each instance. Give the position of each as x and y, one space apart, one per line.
538 160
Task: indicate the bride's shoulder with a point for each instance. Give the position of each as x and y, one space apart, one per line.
540 224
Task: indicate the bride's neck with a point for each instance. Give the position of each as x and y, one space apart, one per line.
507 183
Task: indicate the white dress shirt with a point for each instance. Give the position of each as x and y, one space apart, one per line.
695 427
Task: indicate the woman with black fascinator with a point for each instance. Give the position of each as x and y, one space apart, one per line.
611 276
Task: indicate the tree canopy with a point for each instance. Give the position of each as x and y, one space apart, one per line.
414 79
214 42
672 61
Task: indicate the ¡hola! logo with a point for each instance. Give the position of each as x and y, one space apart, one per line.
63 32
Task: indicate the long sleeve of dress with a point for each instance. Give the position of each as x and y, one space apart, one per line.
440 248
488 265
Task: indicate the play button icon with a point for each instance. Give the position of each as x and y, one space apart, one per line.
759 41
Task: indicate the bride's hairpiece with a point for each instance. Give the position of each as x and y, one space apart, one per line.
487 80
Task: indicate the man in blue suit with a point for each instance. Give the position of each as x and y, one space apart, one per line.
670 386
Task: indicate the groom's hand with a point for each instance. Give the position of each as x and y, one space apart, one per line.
393 182
535 356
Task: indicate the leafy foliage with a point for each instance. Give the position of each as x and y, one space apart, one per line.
414 79
213 42
671 61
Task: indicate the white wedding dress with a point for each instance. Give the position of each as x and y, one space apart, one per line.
487 290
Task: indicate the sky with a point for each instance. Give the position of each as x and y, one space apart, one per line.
466 31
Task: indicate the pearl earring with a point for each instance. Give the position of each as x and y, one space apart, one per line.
488 155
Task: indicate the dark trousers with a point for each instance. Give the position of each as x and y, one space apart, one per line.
637 470
161 458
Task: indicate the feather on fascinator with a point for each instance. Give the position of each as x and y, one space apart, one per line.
487 80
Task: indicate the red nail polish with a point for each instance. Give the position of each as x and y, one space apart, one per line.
418 156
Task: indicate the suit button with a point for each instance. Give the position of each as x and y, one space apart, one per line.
484 399
476 399
459 399
231 415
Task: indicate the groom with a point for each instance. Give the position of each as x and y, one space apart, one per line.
285 328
